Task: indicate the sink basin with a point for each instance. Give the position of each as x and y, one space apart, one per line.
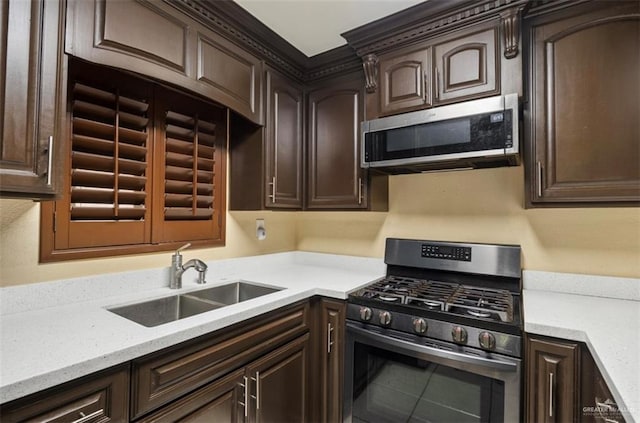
164 310
169 309
234 292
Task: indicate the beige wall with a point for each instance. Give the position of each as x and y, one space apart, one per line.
484 206
19 240
477 206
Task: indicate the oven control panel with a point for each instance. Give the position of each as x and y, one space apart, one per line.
446 252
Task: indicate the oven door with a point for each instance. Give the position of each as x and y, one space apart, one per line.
393 377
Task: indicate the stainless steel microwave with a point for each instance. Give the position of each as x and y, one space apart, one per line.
474 134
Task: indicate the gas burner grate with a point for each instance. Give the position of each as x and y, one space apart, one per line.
483 303
486 303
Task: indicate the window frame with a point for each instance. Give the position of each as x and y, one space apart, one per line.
54 247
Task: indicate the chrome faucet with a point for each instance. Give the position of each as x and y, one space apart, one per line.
177 269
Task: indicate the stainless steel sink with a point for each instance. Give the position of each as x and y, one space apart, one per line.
168 309
234 292
164 310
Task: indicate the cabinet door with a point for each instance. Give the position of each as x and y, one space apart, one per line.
585 103
220 401
332 327
405 81
30 49
283 143
467 67
335 179
98 398
279 384
553 387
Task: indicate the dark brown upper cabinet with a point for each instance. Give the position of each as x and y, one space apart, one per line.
405 81
335 179
467 67
30 97
158 40
283 143
584 104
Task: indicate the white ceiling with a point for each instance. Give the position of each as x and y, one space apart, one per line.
314 26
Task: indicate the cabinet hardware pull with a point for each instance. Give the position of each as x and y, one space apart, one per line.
329 341
273 190
426 85
50 161
539 175
551 395
359 190
437 93
257 397
245 404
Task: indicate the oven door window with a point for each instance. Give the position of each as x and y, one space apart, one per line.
389 387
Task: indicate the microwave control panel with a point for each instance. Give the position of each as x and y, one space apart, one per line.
446 252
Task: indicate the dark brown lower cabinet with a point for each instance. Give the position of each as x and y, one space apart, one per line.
99 398
331 366
553 380
271 389
279 367
563 384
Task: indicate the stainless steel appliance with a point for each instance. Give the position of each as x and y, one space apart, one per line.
473 134
439 338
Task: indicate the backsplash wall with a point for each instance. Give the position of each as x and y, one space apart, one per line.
476 206
484 206
19 243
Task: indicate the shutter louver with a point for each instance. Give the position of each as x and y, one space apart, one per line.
109 155
189 167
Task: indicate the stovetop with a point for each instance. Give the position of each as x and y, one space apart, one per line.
482 303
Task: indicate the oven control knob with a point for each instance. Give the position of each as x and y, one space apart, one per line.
487 341
419 325
459 335
365 313
385 318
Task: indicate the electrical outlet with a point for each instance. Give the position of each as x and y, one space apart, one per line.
261 230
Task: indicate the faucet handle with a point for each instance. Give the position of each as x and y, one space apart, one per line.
184 247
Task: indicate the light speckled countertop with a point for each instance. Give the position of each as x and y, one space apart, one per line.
57 331
602 312
54 332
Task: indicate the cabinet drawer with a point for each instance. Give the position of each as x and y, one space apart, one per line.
102 397
165 376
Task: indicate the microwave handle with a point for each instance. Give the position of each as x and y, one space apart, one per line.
395 344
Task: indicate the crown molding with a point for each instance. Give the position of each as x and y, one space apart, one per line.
423 20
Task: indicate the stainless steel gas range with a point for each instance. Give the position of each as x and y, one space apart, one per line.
439 338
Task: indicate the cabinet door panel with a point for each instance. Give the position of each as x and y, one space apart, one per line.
553 381
30 69
585 119
405 81
283 183
335 177
280 383
142 29
331 367
467 67
99 398
228 69
221 401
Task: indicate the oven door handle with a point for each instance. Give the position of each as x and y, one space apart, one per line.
378 338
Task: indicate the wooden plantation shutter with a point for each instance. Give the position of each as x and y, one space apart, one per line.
145 169
109 172
190 164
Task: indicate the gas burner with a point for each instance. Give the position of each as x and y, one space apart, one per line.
494 304
428 304
390 299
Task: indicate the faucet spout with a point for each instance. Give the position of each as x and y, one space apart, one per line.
177 269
